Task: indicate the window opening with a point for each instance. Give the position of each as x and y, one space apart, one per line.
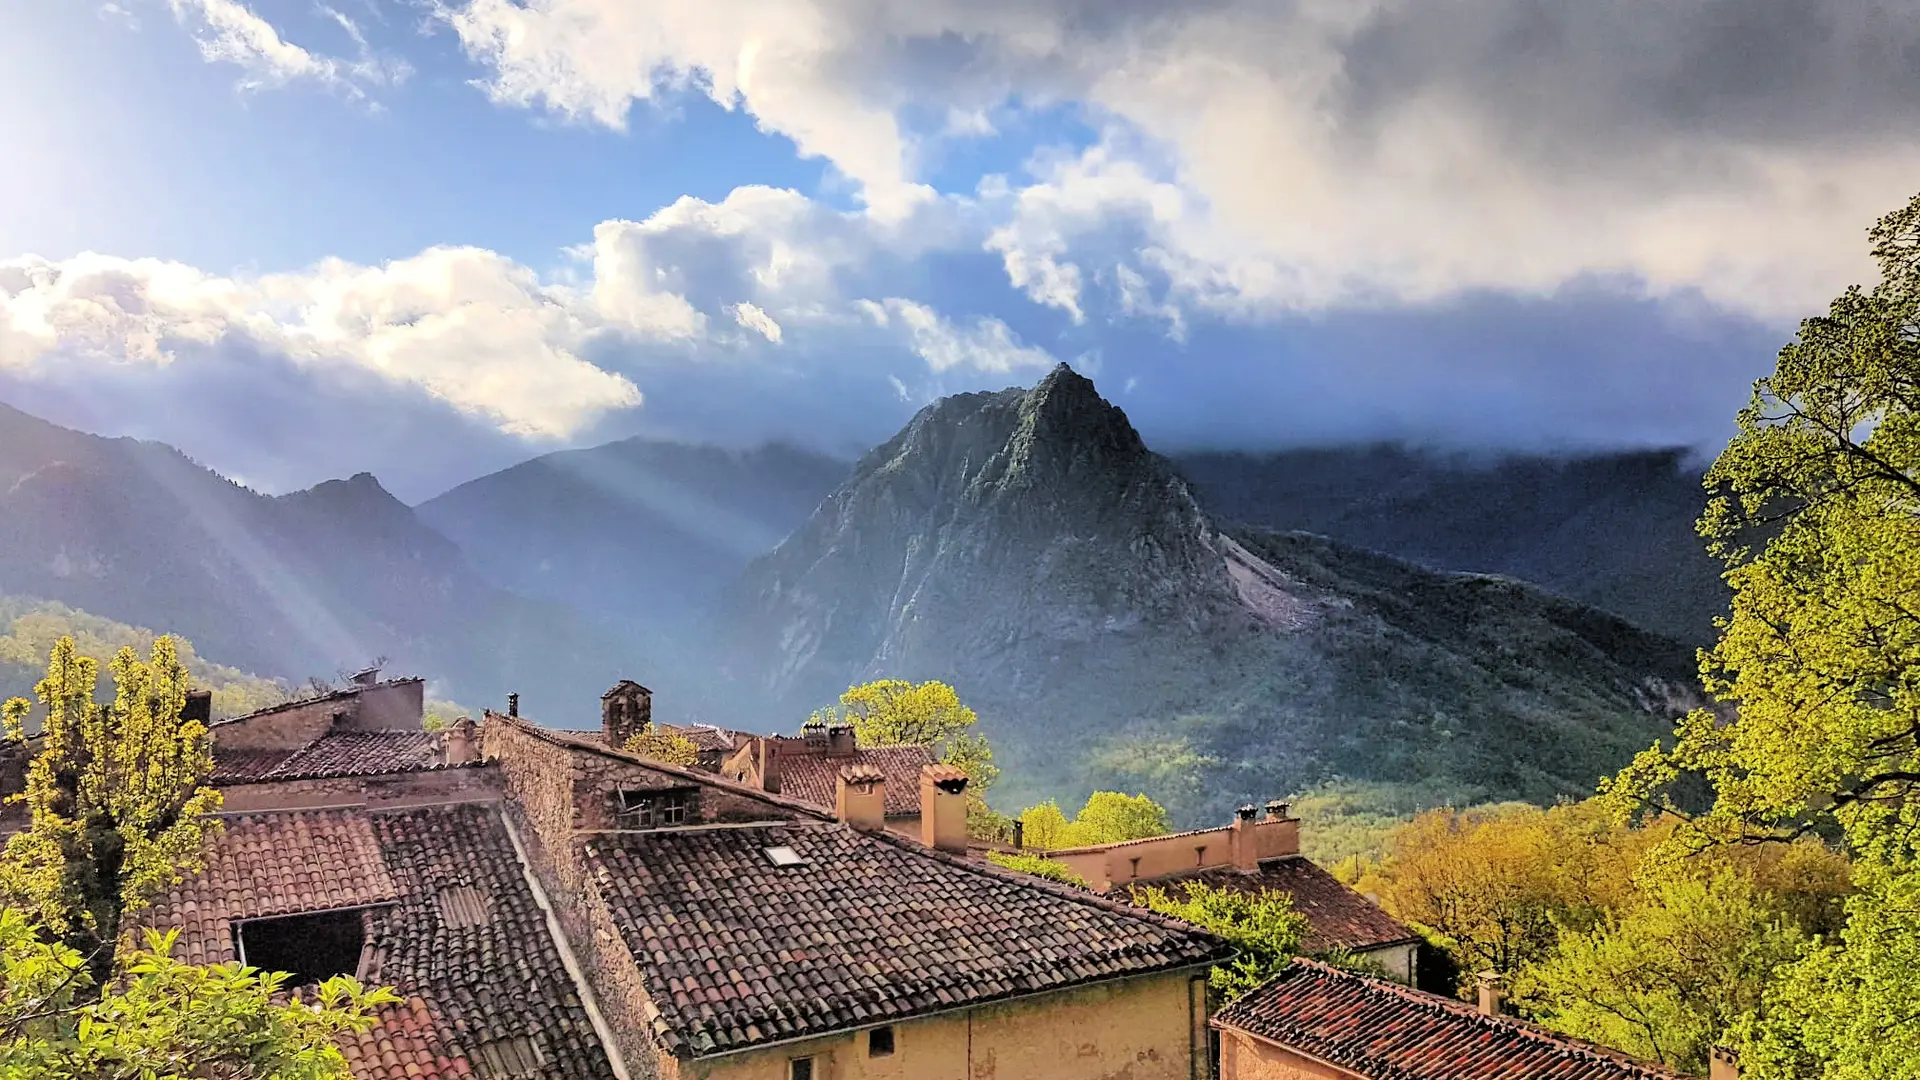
654 809
880 1042
311 948
800 1068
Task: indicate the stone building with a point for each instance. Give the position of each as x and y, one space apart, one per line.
1250 855
1315 1022
549 906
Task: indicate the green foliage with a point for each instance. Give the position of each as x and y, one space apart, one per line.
1667 976
1349 822
1037 865
1263 925
117 796
894 712
29 629
439 715
1108 817
1816 513
1846 1011
163 1018
668 746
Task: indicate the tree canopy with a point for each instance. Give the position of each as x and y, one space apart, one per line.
1816 513
894 712
119 809
1108 817
1263 925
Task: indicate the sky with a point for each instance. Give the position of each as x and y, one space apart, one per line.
430 238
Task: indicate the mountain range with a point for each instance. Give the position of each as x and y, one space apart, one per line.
1118 618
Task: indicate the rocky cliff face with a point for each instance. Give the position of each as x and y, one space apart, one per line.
1027 546
993 533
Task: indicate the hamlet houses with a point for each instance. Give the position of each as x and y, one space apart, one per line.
550 906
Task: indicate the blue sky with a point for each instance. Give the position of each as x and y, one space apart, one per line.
428 238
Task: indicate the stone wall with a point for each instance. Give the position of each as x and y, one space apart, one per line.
287 728
391 706
423 788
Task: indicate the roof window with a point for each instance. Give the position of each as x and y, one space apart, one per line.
782 855
311 948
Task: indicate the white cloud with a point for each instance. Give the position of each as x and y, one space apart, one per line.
1321 153
986 344
752 318
467 326
228 31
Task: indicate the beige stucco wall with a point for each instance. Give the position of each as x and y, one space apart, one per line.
1104 867
1243 1057
1146 1028
1398 960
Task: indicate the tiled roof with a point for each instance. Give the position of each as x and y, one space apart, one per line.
332 695
1337 917
813 777
456 931
707 737
736 951
491 975
1385 1031
272 864
345 753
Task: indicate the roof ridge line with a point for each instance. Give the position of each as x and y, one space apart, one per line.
556 737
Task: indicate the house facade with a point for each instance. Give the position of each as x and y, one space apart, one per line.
1255 853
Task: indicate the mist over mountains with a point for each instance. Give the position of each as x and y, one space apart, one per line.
1118 618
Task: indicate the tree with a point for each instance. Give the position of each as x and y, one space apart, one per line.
1665 978
163 1018
1037 865
1816 513
117 796
119 809
1108 817
668 746
894 712
1262 924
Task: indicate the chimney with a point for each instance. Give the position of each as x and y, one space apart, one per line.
460 742
767 760
625 711
366 678
199 707
1724 1064
1246 855
943 808
840 740
813 735
1019 833
1493 993
860 797
513 704
1277 810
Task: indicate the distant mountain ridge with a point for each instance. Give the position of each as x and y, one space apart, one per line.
1613 530
302 584
644 531
1029 547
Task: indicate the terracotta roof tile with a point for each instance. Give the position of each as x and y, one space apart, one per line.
1386 1031
707 737
813 778
454 926
273 864
340 754
1337 917
737 951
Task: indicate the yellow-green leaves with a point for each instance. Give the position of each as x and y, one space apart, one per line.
1262 924
894 712
1108 817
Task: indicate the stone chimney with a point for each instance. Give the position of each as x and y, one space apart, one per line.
840 740
1277 810
813 736
199 707
368 677
1246 854
1493 993
766 763
860 797
461 741
1724 1064
513 704
625 711
943 808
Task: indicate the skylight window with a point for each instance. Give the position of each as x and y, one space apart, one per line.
783 855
